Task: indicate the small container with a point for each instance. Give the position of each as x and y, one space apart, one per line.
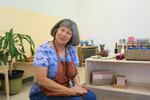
120 81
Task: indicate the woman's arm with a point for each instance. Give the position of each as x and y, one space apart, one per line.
77 87
44 81
77 78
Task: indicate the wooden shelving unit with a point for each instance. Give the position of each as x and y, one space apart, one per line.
137 73
139 90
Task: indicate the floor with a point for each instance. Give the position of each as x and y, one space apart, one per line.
24 93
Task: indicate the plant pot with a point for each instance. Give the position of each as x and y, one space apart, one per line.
15 81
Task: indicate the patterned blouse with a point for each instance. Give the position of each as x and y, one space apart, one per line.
46 57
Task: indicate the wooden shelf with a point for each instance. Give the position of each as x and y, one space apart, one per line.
139 90
136 72
3 68
29 63
117 61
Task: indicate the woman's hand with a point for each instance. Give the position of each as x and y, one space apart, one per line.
79 90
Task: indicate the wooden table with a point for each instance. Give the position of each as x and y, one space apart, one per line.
4 70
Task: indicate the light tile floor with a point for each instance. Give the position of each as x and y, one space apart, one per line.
24 93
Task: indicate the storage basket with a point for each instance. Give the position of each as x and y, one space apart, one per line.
137 55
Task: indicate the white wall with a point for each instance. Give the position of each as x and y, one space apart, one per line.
105 21
61 8
109 20
25 22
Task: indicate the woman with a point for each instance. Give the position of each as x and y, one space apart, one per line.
55 66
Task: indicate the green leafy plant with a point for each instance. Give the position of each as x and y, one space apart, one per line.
12 47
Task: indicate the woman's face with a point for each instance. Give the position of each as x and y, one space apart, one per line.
63 35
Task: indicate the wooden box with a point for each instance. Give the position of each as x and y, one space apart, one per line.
102 77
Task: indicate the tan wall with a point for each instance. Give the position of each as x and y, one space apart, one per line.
36 25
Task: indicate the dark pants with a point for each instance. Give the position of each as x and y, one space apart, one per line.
40 96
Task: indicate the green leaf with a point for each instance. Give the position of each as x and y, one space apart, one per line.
11 45
1 41
32 46
6 39
20 37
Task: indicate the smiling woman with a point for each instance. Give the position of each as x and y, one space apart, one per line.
64 34
56 66
71 28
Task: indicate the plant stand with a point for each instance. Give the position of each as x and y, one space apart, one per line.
4 70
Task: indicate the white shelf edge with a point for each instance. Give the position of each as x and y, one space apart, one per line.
117 61
130 89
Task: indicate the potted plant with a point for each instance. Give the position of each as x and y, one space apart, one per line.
12 50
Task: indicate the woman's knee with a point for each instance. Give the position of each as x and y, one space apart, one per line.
90 96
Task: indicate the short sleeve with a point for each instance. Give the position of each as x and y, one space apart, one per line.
40 59
76 59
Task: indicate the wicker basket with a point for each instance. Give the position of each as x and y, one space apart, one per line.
137 55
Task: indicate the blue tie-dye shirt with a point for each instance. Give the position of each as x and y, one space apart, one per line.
46 57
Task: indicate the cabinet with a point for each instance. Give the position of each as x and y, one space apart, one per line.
85 52
137 73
